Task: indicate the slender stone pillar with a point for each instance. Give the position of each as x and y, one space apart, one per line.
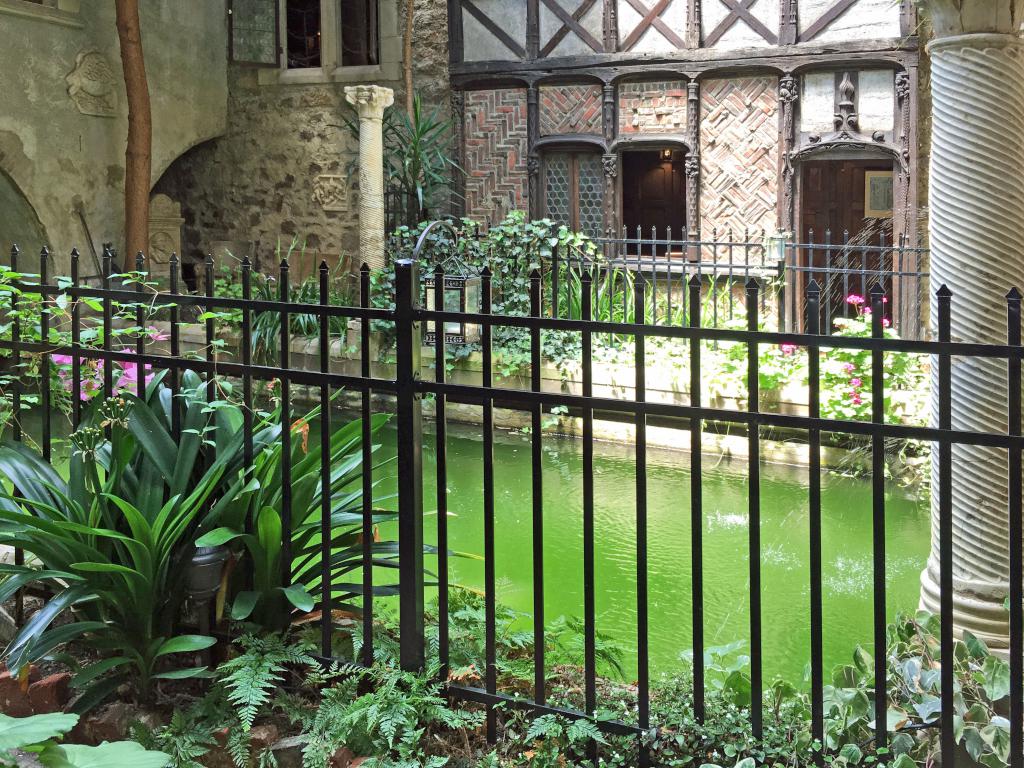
370 102
977 249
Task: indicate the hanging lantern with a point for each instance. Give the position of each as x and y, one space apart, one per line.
462 288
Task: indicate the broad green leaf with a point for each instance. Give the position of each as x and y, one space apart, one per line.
217 537
118 754
245 603
299 597
16 732
186 644
182 674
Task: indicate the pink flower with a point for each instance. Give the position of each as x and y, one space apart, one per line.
866 310
855 299
155 334
788 349
856 383
855 397
849 367
886 322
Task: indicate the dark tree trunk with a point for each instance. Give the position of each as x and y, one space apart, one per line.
138 155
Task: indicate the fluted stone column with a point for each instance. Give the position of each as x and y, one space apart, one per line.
976 202
370 102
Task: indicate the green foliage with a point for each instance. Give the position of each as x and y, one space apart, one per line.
38 734
251 677
114 540
388 722
269 603
185 739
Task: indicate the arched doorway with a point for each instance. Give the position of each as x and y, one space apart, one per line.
19 223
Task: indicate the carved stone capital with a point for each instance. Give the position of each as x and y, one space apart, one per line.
692 165
902 85
370 101
611 165
533 165
789 89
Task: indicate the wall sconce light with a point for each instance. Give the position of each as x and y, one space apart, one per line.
666 155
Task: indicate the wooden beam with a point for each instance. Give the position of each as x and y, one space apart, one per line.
532 29
494 29
456 51
610 26
693 22
693 161
651 18
822 22
789 21
739 10
570 22
532 157
683 63
459 121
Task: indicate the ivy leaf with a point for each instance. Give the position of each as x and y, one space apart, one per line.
997 678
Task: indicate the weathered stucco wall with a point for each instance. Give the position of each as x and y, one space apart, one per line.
286 166
64 123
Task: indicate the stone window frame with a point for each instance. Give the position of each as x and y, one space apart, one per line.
331 70
61 12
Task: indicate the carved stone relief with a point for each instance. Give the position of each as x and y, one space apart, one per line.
331 192
165 222
92 85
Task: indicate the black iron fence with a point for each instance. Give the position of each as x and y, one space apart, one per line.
408 389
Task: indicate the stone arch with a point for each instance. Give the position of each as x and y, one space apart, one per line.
19 224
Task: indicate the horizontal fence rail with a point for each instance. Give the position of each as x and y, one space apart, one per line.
135 297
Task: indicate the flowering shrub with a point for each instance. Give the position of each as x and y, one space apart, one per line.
846 375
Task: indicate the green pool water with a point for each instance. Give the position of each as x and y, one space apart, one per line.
846 556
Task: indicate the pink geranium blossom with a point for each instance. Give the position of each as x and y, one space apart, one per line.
788 349
856 383
855 299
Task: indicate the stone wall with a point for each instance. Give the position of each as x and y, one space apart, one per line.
739 154
495 160
570 109
64 122
653 107
286 168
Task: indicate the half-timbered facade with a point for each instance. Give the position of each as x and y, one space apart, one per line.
699 115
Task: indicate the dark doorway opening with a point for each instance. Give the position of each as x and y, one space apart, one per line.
846 222
654 194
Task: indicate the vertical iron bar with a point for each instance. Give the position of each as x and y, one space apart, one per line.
696 505
326 537
44 359
754 535
140 336
945 490
247 404
19 553
555 295
286 429
175 347
367 467
108 366
643 669
589 621
410 465
441 462
211 350
1013 337
878 517
813 325
490 586
76 342
537 492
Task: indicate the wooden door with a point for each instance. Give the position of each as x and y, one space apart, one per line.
653 194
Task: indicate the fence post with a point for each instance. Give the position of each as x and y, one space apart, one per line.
410 465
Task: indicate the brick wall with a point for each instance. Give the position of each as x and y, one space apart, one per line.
739 151
654 107
495 160
570 109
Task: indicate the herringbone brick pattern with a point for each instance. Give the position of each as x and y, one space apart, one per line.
654 107
739 152
570 109
495 160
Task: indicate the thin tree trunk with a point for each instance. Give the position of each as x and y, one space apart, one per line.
410 8
138 155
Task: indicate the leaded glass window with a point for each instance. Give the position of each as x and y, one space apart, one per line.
574 190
